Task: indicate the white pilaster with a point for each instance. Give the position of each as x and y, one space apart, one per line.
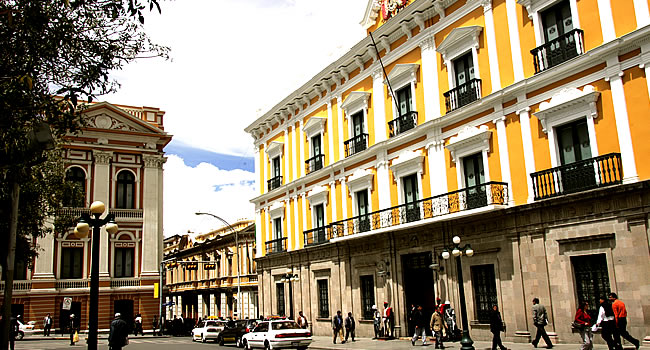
200 303
379 108
257 169
645 63
289 218
527 142
213 305
430 79
330 133
492 45
339 122
44 267
437 168
333 200
267 170
606 20
152 214
301 143
258 233
304 211
383 184
504 157
641 12
344 201
515 46
294 153
287 165
615 78
101 192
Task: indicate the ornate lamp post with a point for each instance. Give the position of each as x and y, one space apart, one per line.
289 278
83 227
457 251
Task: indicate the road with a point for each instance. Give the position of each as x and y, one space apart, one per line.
134 344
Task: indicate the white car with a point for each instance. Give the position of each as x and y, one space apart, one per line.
25 329
277 334
207 330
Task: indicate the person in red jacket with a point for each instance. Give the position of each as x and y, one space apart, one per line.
584 320
621 321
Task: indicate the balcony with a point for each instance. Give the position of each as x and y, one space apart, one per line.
314 163
463 95
402 124
558 51
356 144
127 214
274 183
483 195
72 284
23 285
316 236
580 176
125 282
277 245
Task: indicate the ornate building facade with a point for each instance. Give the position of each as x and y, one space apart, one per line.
203 273
117 159
518 125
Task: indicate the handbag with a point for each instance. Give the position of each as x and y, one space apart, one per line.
75 337
576 325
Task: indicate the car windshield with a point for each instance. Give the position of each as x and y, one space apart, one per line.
284 325
213 324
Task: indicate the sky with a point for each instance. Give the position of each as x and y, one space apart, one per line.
231 61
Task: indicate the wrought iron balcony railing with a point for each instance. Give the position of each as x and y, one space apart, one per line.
356 144
316 235
580 176
559 50
463 95
125 282
277 245
72 283
20 285
314 163
274 183
490 193
403 123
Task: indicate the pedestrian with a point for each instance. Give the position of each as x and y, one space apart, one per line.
154 324
47 325
419 326
540 320
118 336
302 320
620 313
410 313
376 321
14 329
437 326
138 325
72 326
496 327
350 326
449 316
607 322
337 326
582 323
388 320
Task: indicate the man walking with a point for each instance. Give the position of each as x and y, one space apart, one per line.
302 320
118 333
419 326
72 325
47 325
350 325
337 326
376 321
540 319
388 320
496 327
620 312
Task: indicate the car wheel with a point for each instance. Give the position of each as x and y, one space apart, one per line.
20 335
239 343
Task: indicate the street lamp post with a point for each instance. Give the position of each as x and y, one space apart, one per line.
239 296
83 227
290 278
457 251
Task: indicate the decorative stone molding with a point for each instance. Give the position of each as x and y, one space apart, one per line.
360 180
102 157
487 5
315 125
567 105
318 195
428 43
459 41
355 101
276 210
470 140
275 149
407 163
403 74
153 161
533 6
104 121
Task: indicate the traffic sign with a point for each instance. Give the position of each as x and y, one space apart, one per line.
67 303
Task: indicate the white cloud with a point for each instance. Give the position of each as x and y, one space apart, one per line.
232 58
205 188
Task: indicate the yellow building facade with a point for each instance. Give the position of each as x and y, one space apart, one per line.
517 125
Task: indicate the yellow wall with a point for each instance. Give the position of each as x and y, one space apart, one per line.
590 23
502 33
452 179
605 127
374 195
261 167
414 56
638 105
518 174
263 230
301 238
624 16
292 216
338 142
526 40
494 160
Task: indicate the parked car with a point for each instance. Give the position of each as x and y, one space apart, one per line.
25 329
235 330
207 330
277 334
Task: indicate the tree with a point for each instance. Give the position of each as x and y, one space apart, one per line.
54 55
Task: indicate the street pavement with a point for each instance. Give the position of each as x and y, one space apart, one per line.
320 342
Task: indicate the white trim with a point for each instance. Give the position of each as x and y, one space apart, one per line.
370 15
436 152
360 180
274 149
318 195
339 123
515 45
315 125
330 134
490 36
504 155
301 144
287 165
430 78
400 76
355 101
606 20
290 230
304 213
534 7
470 140
333 200
567 105
276 210
527 143
641 13
379 107
408 163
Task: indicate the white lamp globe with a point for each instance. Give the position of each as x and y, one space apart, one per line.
75 233
456 240
97 207
445 255
455 252
469 251
82 229
111 228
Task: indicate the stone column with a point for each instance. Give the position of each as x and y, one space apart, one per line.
101 192
200 305
437 173
615 78
213 305
152 234
492 45
378 106
304 210
504 157
606 20
330 132
430 78
529 156
44 267
383 184
515 46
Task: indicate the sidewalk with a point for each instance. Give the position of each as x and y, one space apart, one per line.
83 336
322 342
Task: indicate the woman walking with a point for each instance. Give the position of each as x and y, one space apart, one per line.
582 322
496 327
607 322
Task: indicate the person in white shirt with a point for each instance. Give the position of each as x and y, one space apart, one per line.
607 322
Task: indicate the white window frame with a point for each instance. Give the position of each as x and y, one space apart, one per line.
85 242
87 182
318 195
566 106
136 185
534 7
467 142
400 76
275 149
407 163
313 127
355 102
361 180
276 211
459 42
136 256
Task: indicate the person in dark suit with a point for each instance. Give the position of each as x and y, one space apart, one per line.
496 327
118 334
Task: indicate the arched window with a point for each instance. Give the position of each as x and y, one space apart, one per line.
77 196
125 190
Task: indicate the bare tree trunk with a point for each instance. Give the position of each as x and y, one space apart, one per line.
9 265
